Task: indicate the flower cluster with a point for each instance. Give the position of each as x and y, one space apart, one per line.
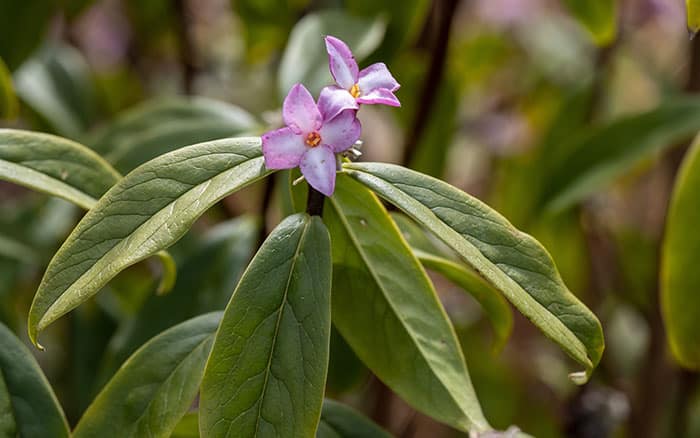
316 132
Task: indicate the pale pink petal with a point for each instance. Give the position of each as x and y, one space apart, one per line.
342 63
333 100
376 76
300 111
318 167
341 132
379 96
282 149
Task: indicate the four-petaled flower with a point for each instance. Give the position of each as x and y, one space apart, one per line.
372 85
310 140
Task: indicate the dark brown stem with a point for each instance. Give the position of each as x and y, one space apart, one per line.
444 18
186 46
314 202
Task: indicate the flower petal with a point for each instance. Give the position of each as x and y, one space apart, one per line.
282 149
300 111
318 167
374 77
342 63
379 96
333 100
341 132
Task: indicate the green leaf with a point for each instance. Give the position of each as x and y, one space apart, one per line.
23 25
8 100
28 406
155 387
55 166
163 125
512 261
692 8
387 310
492 302
680 278
305 59
145 212
615 148
267 370
57 84
599 17
340 421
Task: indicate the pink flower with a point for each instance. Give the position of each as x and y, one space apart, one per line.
310 140
372 85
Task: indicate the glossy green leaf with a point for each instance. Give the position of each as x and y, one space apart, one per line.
267 370
340 421
55 166
145 212
615 148
512 261
680 278
692 8
492 302
387 310
8 100
23 25
599 17
155 387
33 410
305 59
57 84
163 125
206 279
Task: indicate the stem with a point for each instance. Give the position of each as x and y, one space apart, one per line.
314 202
445 13
186 46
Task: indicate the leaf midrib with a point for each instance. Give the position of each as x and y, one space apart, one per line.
477 424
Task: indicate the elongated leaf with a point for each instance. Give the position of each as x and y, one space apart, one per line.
28 406
55 166
56 83
386 309
340 421
680 278
512 261
155 387
305 59
147 211
613 149
599 17
163 125
267 370
8 100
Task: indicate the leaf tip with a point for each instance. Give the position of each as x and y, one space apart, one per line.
579 377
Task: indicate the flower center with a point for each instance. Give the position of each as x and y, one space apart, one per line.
355 91
313 139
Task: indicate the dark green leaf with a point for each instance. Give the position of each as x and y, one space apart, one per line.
386 309
23 25
55 166
305 59
145 212
613 149
8 100
340 421
680 277
512 261
267 370
163 125
33 410
155 387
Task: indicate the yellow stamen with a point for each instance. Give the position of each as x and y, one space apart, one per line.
313 139
355 91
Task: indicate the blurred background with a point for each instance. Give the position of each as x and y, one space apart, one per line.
571 125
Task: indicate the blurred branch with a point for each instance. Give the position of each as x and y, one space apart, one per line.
441 19
186 46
